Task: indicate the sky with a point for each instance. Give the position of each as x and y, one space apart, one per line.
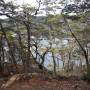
20 2
33 3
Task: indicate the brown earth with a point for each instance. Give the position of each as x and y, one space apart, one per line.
42 83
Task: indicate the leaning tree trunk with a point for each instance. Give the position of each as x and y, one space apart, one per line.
10 50
82 48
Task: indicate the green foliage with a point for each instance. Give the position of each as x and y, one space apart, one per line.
73 17
87 75
10 36
54 19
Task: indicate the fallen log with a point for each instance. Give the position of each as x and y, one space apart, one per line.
10 81
17 77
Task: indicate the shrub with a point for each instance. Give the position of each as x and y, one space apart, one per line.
87 75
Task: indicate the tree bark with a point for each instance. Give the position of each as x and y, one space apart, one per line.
28 61
10 50
54 62
82 48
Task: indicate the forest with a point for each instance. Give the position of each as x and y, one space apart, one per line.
45 46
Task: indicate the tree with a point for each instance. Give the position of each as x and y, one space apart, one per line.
83 9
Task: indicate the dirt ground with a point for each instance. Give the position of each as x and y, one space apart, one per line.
39 83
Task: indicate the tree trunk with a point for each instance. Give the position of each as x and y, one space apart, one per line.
54 62
10 50
28 61
82 48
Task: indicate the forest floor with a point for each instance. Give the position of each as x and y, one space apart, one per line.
42 83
